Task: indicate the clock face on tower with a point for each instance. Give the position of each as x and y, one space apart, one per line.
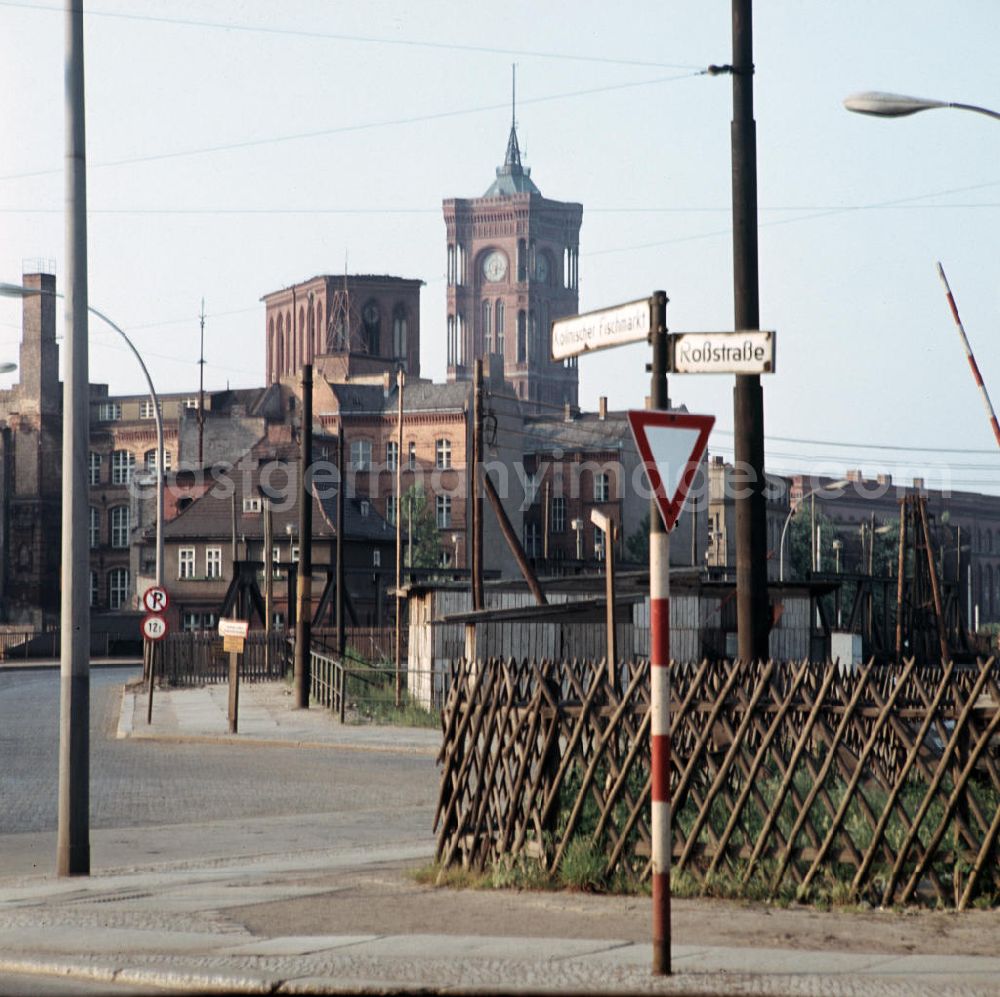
495 266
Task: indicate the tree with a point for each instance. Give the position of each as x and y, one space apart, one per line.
420 526
637 544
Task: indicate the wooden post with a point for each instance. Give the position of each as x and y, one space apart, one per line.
607 524
399 542
477 495
935 588
515 545
901 571
234 690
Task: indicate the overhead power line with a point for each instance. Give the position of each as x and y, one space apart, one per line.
315 35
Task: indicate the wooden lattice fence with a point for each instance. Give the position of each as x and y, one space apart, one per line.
881 783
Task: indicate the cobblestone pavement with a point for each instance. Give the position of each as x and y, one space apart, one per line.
176 801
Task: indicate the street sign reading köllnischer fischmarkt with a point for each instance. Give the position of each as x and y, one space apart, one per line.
628 323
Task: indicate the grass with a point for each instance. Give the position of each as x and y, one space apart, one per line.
371 695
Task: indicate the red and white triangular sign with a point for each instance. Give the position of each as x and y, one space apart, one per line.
671 445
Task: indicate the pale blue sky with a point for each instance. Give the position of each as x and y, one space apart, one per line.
227 162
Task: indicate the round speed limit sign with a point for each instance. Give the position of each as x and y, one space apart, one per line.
154 627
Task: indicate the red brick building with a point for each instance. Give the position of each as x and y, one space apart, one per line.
513 267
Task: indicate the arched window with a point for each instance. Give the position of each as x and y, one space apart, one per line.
95 527
522 260
94 467
319 337
399 346
118 522
487 327
289 339
118 585
93 589
522 337
371 319
499 312
533 333
452 358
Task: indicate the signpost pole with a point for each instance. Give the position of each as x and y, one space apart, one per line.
659 662
234 690
152 679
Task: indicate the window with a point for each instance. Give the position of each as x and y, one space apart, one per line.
122 466
531 544
412 456
361 454
558 514
94 464
377 558
213 562
392 455
522 337
390 510
117 587
185 562
93 588
443 504
442 454
252 504
399 331
487 327
278 621
452 344
191 621
602 487
293 553
109 412
499 327
598 543
370 319
119 526
146 410
190 403
95 527
149 459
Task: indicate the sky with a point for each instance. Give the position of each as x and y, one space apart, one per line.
238 146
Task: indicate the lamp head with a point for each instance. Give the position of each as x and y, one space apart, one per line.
888 105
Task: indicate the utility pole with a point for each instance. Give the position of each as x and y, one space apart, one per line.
401 385
201 391
752 607
268 560
303 595
73 836
477 495
341 643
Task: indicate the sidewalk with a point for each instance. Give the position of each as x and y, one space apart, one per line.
237 925
266 715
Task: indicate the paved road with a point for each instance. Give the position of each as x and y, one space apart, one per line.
160 803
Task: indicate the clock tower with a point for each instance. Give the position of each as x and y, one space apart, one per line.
512 269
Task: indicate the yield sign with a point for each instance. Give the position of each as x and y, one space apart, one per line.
671 445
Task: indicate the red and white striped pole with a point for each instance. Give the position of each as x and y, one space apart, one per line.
969 355
659 662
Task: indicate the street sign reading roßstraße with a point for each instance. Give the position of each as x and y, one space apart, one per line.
628 323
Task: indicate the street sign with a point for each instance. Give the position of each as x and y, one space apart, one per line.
155 599
671 445
234 628
629 323
747 352
154 627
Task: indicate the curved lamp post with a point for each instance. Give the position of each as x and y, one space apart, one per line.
835 486
19 291
896 105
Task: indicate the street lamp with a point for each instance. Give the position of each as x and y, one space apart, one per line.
835 486
19 291
895 105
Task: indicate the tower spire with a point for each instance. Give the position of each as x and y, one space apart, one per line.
512 177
